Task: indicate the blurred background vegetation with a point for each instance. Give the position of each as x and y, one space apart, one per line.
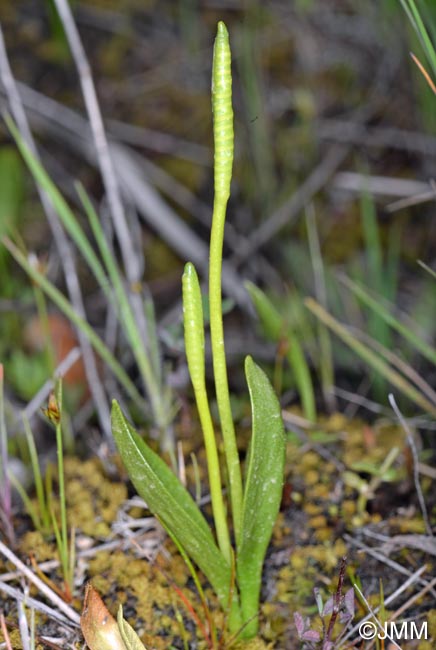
335 156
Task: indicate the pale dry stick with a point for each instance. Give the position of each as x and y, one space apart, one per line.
426 470
16 594
43 588
104 157
360 135
65 253
111 184
424 543
23 624
396 361
165 221
160 142
48 565
412 600
387 601
188 200
384 560
287 214
411 201
408 604
351 337
375 407
355 398
415 460
70 127
355 182
374 617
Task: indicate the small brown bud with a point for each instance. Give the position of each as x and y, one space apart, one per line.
99 627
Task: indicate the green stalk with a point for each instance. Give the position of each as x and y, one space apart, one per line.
194 344
63 550
44 513
223 140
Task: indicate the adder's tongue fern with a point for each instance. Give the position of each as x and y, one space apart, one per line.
235 574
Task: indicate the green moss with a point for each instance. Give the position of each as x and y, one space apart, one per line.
93 500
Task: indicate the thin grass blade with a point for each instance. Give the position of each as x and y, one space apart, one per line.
125 313
62 208
370 357
276 329
377 306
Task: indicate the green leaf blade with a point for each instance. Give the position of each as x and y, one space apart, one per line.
262 493
171 503
130 639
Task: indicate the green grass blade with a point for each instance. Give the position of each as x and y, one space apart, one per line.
371 358
376 270
276 329
393 259
125 312
31 510
419 26
65 307
171 502
324 344
372 241
377 306
262 491
429 270
303 379
269 316
153 340
37 477
62 208
77 234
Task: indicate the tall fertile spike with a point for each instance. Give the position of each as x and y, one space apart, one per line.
222 113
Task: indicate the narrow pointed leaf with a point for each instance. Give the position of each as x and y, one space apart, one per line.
130 639
262 492
171 503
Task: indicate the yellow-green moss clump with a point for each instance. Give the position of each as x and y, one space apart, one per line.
92 499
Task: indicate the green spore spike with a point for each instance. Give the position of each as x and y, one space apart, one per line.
222 114
223 141
194 344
